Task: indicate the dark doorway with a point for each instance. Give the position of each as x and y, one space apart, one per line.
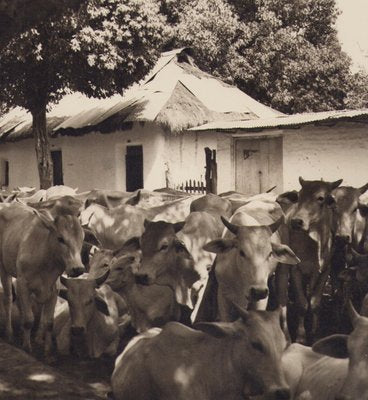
57 162
134 168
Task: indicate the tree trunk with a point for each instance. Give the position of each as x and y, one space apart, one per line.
42 144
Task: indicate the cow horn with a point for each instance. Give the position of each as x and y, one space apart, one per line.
63 280
146 222
336 184
231 227
301 181
276 225
101 279
363 189
243 313
353 314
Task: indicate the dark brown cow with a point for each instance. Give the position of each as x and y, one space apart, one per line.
166 261
219 361
310 237
36 251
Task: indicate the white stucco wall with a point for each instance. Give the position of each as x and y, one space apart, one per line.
185 155
331 153
92 161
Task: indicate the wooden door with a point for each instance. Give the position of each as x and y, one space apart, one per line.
134 168
258 165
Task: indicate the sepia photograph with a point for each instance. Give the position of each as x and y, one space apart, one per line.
184 199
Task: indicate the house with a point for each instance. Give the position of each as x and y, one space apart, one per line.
141 139
261 153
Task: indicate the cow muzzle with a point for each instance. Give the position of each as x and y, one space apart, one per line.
257 293
142 279
297 223
77 330
342 240
280 394
75 272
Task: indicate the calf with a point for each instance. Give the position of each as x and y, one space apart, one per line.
36 250
222 361
166 261
89 321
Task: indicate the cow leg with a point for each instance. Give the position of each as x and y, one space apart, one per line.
6 281
301 302
48 320
282 294
316 299
27 317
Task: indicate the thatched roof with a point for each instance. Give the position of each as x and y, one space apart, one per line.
176 94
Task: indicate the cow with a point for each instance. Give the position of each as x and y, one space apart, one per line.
36 250
113 227
310 237
166 260
89 320
247 255
212 204
215 361
148 305
65 205
335 368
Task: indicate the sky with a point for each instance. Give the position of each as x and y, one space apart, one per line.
352 26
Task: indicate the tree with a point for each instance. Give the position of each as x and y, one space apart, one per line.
284 53
99 50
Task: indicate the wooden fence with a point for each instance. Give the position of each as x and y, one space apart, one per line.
192 186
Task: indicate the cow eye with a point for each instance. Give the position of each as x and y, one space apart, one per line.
242 254
354 210
258 346
320 199
61 240
164 247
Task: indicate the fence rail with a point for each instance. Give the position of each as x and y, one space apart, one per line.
192 186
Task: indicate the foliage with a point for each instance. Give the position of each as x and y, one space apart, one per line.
284 53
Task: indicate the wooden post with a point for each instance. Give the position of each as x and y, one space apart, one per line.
211 171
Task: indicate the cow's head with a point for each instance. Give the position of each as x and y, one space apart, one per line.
66 241
165 260
83 300
254 256
256 343
345 211
355 347
313 199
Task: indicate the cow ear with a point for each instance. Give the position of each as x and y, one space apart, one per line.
132 244
63 293
333 346
288 197
336 184
220 246
216 329
90 238
283 253
363 209
133 201
178 226
101 305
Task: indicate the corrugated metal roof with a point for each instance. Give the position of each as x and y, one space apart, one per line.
283 121
144 102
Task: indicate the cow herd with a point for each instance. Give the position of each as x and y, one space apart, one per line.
195 296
